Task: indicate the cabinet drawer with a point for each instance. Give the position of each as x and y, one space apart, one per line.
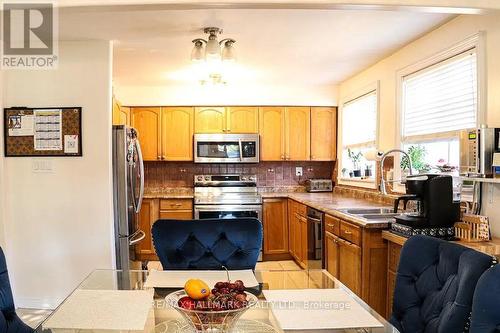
175 204
350 232
176 215
332 225
301 209
394 251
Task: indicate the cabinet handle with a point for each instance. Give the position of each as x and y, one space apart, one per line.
282 157
163 157
287 158
158 157
347 232
331 225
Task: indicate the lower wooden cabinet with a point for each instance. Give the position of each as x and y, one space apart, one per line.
275 223
350 266
332 254
298 240
153 210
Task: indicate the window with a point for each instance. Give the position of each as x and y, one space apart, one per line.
359 133
437 103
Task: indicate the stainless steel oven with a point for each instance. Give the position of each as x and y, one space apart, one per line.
227 211
226 148
314 238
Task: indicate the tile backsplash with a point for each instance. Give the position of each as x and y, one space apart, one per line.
181 174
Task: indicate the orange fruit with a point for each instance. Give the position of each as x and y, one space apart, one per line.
196 289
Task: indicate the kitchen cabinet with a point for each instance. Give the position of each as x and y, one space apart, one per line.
323 134
177 128
357 256
148 125
149 214
151 211
242 119
272 133
298 232
285 133
297 133
210 120
121 114
275 222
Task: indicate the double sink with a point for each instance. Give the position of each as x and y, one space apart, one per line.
375 215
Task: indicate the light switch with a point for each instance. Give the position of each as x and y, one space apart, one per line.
42 165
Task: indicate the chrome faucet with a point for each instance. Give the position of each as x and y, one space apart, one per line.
383 182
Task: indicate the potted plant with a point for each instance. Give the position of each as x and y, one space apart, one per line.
344 172
355 159
417 155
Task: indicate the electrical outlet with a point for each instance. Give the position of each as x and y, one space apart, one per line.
42 166
298 171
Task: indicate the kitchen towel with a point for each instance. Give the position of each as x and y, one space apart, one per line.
177 279
317 309
103 310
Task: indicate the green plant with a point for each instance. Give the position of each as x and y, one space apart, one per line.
417 155
354 157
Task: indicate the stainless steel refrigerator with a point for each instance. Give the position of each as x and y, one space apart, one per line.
128 188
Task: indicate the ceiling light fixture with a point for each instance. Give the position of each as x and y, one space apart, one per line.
213 49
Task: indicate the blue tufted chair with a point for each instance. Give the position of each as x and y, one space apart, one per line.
434 285
9 321
486 304
208 244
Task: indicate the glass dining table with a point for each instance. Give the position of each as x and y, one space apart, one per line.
163 319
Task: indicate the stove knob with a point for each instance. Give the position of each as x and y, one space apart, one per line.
207 178
199 178
244 178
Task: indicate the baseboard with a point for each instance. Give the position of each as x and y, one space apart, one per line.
278 256
38 303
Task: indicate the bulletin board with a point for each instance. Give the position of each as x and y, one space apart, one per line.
54 131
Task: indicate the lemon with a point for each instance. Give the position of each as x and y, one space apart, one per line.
196 289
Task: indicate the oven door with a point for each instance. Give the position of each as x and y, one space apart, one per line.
227 211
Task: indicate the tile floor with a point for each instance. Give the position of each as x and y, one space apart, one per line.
284 265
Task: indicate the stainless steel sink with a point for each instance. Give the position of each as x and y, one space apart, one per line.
379 216
363 211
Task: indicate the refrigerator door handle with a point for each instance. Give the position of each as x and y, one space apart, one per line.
141 172
138 236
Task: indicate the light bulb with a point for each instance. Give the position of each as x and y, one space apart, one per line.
197 52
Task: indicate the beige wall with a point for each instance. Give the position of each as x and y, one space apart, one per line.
59 225
438 40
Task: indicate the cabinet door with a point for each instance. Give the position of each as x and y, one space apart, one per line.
272 133
332 254
210 120
275 226
303 241
291 226
350 266
242 119
121 114
148 215
177 133
323 133
298 133
147 123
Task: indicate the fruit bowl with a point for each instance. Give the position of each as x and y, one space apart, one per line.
211 315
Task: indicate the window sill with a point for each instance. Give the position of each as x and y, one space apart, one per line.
358 182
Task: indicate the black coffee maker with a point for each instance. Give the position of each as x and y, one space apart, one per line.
436 212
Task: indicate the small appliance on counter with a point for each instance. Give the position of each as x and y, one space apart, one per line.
477 149
319 185
436 212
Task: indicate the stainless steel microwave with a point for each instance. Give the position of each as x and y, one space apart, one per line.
226 148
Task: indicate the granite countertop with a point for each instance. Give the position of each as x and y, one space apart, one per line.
329 203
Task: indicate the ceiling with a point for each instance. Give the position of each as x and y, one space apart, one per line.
274 46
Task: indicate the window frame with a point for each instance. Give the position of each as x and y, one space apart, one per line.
365 183
477 42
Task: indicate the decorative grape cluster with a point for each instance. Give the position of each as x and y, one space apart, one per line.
224 296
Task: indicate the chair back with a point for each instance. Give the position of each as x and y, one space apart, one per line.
485 306
208 244
435 284
6 299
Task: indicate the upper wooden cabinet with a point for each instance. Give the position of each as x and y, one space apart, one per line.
298 133
272 133
285 133
121 114
323 133
177 133
241 119
147 122
210 120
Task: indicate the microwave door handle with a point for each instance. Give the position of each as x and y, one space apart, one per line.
241 149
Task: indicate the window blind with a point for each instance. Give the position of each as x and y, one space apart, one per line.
441 99
359 121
